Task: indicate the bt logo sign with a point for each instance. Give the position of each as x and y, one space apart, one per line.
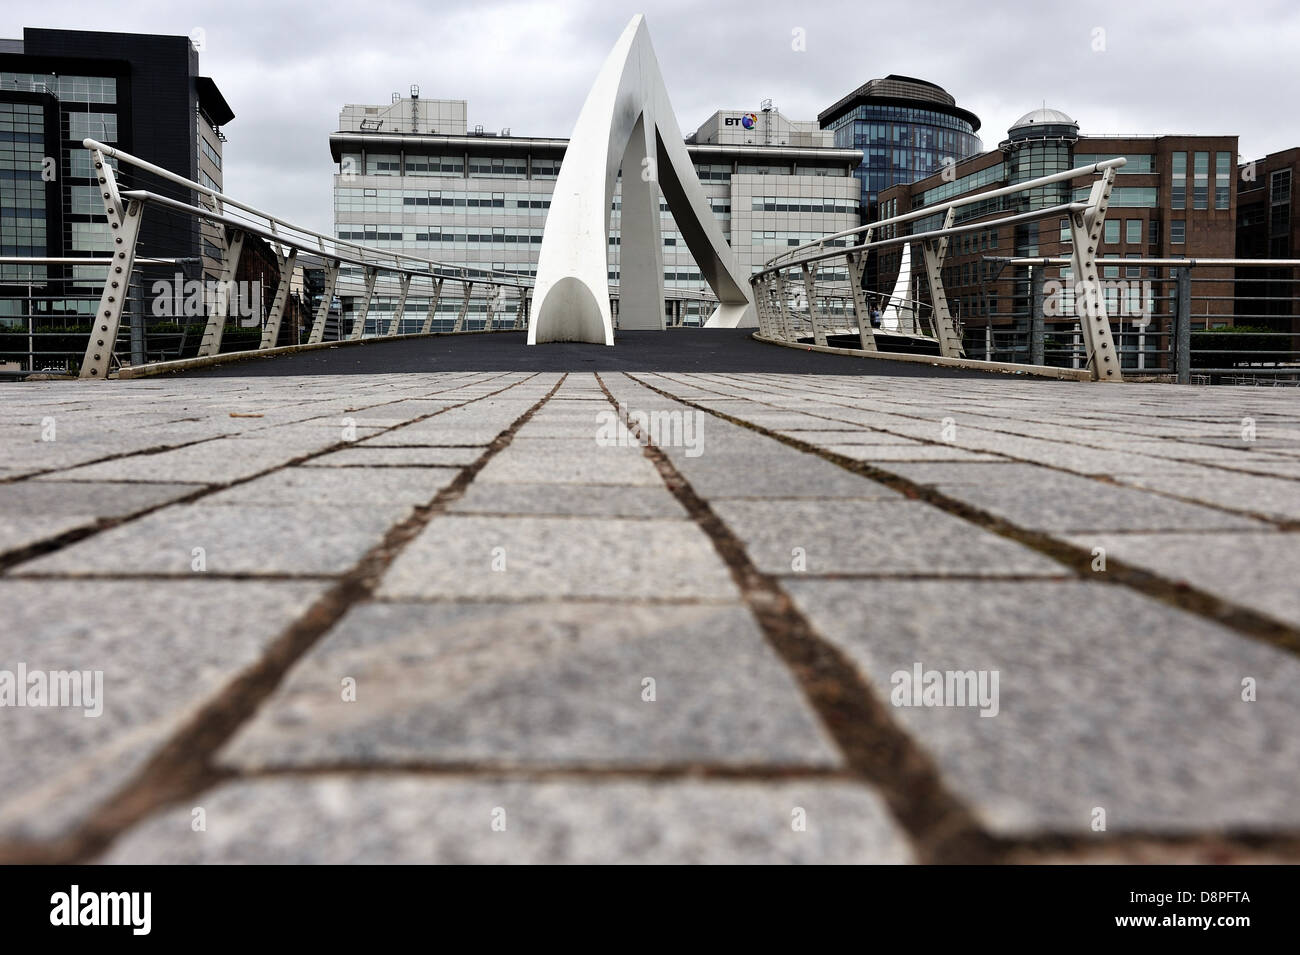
747 120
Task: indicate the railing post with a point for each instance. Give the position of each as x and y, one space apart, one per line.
810 293
1089 302
783 298
762 302
404 280
271 333
934 251
519 311
1183 327
359 325
124 221
491 306
216 327
326 302
857 262
464 307
427 327
1037 277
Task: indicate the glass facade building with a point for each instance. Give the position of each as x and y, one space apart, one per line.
141 93
906 128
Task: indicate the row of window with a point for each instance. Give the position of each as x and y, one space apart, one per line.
778 237
69 89
1138 163
378 164
801 204
496 236
1125 197
976 180
1132 231
872 113
920 135
394 200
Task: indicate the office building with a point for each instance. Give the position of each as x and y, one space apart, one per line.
906 128
1175 197
141 93
412 175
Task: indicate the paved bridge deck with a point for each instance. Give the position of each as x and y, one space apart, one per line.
447 612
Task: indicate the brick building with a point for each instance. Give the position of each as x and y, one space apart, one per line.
1268 227
1174 198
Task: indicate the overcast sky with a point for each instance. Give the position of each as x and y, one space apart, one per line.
1159 66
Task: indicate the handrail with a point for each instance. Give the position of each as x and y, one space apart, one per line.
1066 207
938 207
167 174
1064 260
143 195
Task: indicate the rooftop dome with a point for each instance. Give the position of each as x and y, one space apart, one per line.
1044 117
1044 124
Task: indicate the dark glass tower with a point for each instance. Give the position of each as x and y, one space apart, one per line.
905 128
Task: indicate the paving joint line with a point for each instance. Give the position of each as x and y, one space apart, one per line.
13 558
1182 596
876 750
162 449
1199 462
181 766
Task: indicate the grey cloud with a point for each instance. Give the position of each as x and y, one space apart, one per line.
286 68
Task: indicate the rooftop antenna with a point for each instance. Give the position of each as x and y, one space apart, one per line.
767 109
415 108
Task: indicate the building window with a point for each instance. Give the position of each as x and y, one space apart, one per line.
1279 214
100 126
91 237
1133 231
1201 181
1112 232
1177 231
213 156
1153 231
382 165
1222 180
1138 163
1178 197
1125 197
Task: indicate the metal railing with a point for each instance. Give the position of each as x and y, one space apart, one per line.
257 282
1190 320
820 306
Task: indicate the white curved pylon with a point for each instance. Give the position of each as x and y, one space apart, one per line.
626 122
901 299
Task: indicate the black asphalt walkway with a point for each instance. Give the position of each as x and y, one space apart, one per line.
682 350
